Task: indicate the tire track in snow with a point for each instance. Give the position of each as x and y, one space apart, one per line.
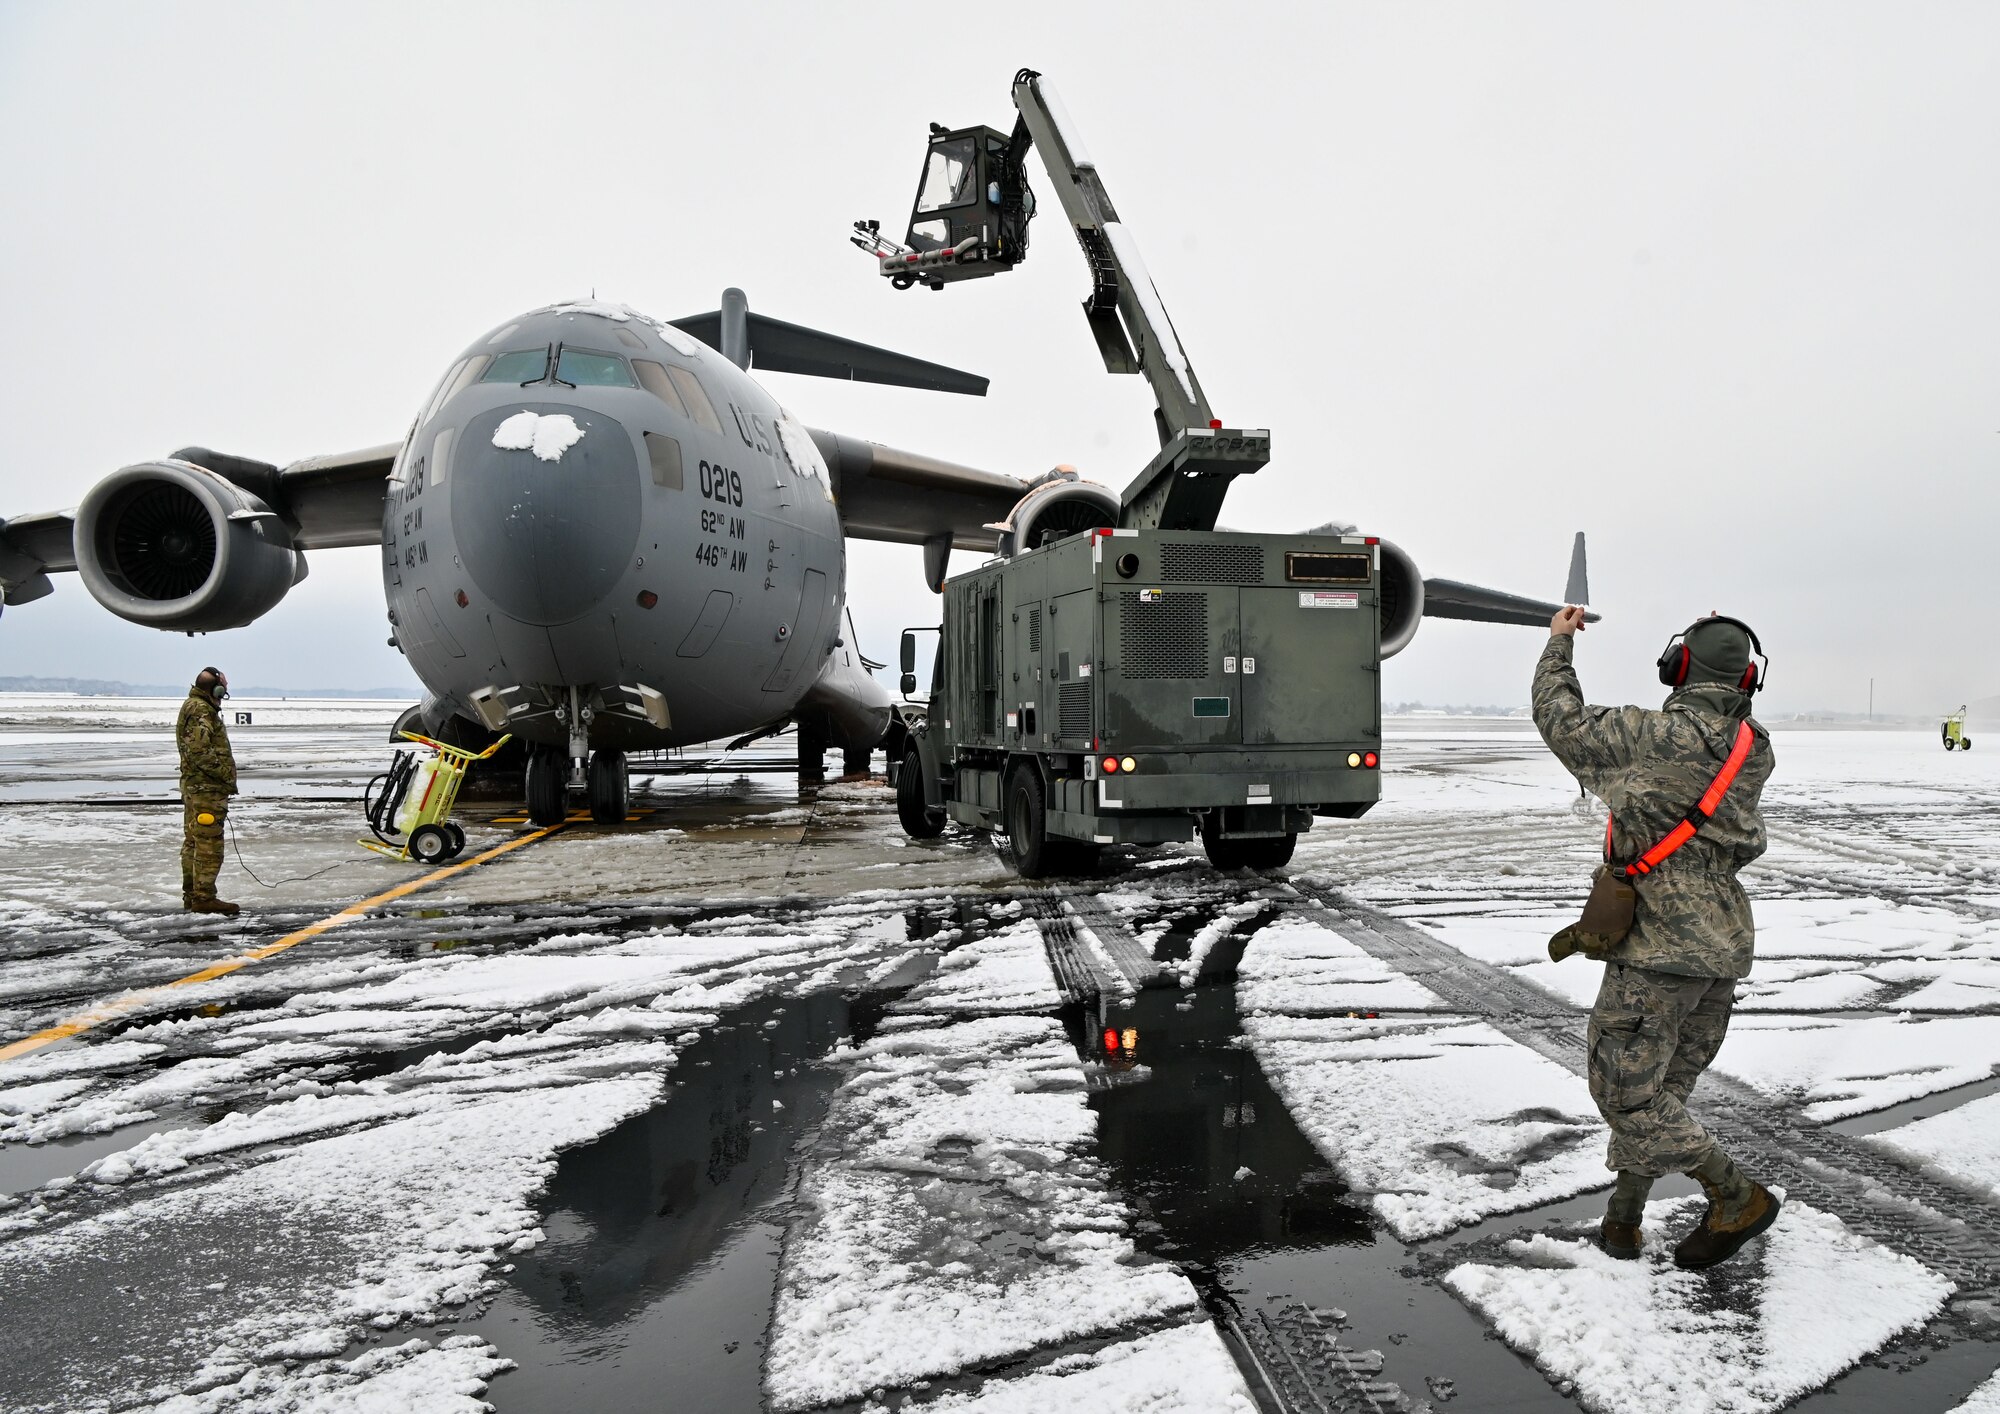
1953 1230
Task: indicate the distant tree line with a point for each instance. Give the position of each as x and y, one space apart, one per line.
1454 709
104 687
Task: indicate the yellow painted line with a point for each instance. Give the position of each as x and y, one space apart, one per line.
118 1006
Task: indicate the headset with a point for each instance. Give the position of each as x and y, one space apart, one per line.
1676 659
214 676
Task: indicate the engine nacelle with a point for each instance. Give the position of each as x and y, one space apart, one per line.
1402 599
1061 504
171 545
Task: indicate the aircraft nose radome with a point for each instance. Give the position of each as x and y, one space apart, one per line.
545 507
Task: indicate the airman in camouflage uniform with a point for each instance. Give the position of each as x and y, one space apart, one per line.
208 779
1669 984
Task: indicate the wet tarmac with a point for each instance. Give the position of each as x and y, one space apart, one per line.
663 1238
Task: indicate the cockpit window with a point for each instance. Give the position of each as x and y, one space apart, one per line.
653 378
593 370
519 366
698 406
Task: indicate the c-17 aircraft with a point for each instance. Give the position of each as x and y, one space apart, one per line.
601 534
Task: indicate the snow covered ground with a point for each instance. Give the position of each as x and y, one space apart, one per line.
1640 1337
305 1181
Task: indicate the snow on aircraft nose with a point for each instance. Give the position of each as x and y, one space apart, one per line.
545 504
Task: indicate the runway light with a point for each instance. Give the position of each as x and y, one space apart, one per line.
1111 765
1110 1040
1128 764
1371 760
1353 759
647 598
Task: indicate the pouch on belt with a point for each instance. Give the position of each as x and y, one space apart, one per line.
1607 918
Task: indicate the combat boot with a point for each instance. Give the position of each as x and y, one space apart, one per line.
1738 1209
1619 1233
212 904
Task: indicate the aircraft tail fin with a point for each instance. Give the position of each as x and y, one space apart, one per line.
772 345
1578 589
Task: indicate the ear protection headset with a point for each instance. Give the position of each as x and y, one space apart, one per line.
1676 659
208 679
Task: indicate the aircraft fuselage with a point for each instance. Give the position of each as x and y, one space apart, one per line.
595 501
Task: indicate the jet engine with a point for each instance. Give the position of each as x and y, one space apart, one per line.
172 545
1059 505
1402 597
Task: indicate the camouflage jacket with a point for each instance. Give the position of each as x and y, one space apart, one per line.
1692 917
208 766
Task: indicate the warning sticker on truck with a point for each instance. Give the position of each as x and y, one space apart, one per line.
1328 599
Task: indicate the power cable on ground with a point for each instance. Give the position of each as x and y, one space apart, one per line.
296 879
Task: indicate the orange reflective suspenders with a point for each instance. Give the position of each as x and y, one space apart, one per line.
1703 810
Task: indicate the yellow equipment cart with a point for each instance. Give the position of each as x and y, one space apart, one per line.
1954 732
409 806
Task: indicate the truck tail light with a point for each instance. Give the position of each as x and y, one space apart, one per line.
1110 764
1126 763
1353 759
1370 760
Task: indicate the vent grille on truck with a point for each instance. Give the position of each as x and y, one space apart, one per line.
1164 635
1073 710
1035 629
1186 560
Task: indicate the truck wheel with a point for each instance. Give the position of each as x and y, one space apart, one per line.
1222 853
1268 853
548 792
920 822
610 787
1027 825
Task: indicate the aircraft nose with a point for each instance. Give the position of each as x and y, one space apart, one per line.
545 508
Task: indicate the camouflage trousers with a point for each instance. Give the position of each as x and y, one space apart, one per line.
1652 1034
201 844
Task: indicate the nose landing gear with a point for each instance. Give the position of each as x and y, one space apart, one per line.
610 787
554 771
547 787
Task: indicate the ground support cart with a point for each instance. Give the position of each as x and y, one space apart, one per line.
409 806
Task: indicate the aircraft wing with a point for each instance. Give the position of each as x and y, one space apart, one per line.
774 346
325 502
909 498
1449 599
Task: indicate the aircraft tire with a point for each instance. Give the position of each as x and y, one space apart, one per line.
919 821
610 787
1027 825
547 791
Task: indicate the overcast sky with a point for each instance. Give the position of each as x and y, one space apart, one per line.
1715 283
